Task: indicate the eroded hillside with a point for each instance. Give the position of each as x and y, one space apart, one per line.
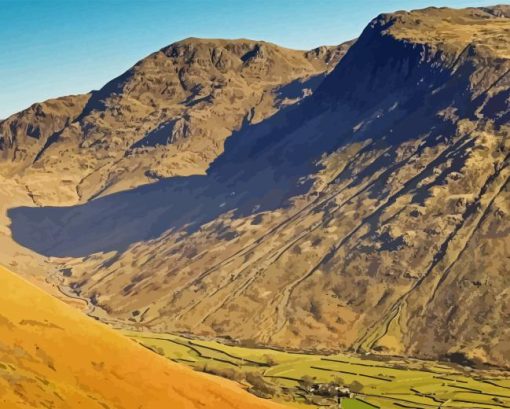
372 215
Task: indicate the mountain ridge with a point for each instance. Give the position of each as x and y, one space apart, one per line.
360 217
160 111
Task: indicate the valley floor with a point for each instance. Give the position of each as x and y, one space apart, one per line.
378 382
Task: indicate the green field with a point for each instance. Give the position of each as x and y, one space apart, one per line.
378 382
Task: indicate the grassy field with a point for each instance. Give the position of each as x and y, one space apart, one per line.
378 382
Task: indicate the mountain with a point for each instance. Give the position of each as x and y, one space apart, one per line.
53 356
169 115
372 215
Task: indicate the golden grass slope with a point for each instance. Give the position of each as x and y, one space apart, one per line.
53 357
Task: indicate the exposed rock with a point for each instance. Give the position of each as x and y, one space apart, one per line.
354 218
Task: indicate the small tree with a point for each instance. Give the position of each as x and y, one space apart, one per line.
259 386
338 381
356 387
269 360
307 382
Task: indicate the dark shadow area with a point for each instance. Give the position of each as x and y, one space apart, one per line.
295 89
253 53
162 135
97 100
246 179
264 165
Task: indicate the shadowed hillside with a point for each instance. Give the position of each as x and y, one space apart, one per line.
372 215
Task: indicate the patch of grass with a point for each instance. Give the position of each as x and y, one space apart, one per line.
379 382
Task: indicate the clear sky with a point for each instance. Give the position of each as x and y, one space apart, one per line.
50 48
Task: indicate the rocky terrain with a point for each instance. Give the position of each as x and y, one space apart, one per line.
372 215
167 116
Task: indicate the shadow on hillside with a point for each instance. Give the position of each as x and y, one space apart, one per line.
263 166
255 174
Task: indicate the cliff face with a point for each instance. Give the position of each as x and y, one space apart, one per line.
372 215
169 115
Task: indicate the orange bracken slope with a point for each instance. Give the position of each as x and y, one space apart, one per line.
51 356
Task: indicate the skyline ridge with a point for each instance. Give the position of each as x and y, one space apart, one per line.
93 42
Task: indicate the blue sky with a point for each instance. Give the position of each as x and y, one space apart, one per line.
50 48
